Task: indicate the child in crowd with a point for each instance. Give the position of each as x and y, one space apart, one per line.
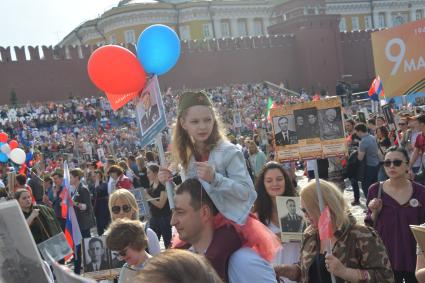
202 152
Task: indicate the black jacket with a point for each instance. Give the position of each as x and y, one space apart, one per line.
85 217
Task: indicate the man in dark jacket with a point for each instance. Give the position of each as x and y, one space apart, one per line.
36 186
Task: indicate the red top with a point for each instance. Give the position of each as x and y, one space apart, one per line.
420 142
124 183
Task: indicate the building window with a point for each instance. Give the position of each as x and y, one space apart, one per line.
368 22
258 27
398 19
185 32
130 36
225 29
382 20
419 14
242 28
207 30
112 39
342 24
355 23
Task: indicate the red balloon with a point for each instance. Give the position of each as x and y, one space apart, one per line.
13 144
115 69
3 137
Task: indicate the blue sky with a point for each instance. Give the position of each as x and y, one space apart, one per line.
45 22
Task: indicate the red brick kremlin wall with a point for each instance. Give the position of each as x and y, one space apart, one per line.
312 54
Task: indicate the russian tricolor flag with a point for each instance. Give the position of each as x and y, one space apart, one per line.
376 89
72 229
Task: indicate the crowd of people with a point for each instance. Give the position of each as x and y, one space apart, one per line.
226 184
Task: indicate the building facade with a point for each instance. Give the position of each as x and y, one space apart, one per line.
197 20
192 20
373 14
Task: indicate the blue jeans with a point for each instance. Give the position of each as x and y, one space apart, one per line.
162 227
370 177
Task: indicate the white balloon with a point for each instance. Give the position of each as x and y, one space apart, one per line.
5 148
18 156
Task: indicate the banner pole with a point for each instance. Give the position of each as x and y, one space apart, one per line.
321 206
163 161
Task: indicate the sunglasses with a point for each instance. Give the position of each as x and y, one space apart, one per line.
117 209
402 124
395 162
304 210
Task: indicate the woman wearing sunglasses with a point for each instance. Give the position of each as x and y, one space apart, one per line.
129 239
393 206
123 204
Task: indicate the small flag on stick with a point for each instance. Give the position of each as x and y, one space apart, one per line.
325 225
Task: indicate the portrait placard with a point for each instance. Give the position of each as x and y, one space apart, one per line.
96 256
57 246
150 112
20 261
291 220
309 130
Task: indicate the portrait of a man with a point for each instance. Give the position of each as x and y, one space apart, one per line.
331 124
285 136
96 259
292 222
151 111
307 124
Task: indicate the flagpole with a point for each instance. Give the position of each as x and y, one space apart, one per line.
321 207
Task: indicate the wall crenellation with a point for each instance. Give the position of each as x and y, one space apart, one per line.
53 53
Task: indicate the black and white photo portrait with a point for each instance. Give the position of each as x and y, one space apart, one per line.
307 123
95 254
285 133
291 220
331 126
57 246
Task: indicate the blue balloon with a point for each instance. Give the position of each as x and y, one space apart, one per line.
158 49
3 157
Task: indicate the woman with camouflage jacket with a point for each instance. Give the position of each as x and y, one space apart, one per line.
358 254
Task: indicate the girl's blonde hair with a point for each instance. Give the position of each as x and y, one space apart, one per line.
129 198
183 147
332 197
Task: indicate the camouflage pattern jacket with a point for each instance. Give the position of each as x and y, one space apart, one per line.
357 247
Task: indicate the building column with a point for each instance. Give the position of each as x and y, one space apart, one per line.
412 14
250 25
217 28
234 27
388 19
376 19
266 24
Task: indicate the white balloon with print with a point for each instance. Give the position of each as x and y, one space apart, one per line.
18 156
